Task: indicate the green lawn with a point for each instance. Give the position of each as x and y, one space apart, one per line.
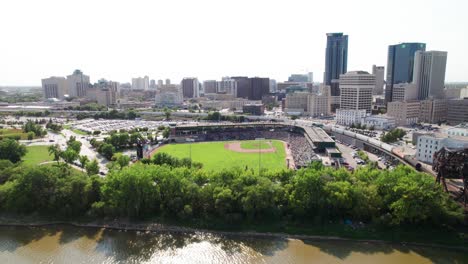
6 132
36 155
254 144
79 132
214 156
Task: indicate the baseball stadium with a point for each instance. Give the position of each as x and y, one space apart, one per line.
265 146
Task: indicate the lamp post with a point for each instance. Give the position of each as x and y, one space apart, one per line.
190 140
259 154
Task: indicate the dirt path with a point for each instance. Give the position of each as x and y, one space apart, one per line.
289 156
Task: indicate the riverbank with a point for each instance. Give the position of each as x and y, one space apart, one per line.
151 227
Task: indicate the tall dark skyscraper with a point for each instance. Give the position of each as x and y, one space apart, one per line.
259 87
400 65
336 57
252 88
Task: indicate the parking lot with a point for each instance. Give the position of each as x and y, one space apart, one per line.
105 126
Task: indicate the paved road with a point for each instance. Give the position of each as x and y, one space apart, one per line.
61 140
86 149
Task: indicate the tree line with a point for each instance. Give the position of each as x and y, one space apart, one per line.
167 187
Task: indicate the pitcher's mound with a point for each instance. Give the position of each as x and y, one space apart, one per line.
236 146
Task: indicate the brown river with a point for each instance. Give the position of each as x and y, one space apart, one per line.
85 245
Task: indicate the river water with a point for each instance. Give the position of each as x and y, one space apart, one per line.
83 245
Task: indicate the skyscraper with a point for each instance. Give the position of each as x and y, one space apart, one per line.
400 64
54 87
259 87
140 83
190 88
78 84
429 74
336 57
378 72
356 90
209 86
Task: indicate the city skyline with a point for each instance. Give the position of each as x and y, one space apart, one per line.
149 38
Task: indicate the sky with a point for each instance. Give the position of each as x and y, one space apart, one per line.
209 39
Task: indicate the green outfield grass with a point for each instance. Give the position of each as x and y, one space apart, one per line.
254 144
36 155
214 156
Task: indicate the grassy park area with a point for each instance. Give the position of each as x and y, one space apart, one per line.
37 155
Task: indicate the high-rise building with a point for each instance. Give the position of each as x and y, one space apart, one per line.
54 87
298 78
227 86
168 81
356 90
429 74
400 64
78 84
259 87
140 83
243 86
311 77
105 93
160 83
336 57
379 73
190 88
209 86
273 86
152 84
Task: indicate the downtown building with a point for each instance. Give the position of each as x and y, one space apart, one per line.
105 93
400 65
140 83
429 74
356 91
336 63
54 87
227 86
209 86
457 111
379 73
190 88
169 95
78 84
304 103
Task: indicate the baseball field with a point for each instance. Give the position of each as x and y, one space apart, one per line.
228 154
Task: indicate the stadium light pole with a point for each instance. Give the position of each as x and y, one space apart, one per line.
259 155
190 140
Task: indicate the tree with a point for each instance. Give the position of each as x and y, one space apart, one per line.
96 132
31 135
74 145
55 150
69 155
122 160
107 150
11 150
83 160
92 168
167 113
166 132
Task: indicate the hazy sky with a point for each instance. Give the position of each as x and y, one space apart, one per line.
118 40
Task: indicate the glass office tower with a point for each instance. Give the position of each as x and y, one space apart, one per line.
400 65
